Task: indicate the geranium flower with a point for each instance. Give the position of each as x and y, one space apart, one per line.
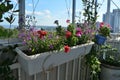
101 24
66 49
42 33
68 34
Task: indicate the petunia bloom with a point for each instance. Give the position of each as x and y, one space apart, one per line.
67 21
68 34
101 24
66 49
79 32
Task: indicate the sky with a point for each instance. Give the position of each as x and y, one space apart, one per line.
47 11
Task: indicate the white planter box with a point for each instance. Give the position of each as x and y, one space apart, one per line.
36 63
110 72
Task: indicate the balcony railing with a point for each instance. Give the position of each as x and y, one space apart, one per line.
75 69
72 70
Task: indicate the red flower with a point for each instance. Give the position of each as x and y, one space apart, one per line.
66 49
101 24
68 34
42 33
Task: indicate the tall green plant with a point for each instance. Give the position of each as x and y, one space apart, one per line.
90 13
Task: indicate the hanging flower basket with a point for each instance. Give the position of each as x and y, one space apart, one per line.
100 39
39 62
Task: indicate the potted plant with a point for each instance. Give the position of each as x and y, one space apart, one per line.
103 33
7 58
110 63
43 49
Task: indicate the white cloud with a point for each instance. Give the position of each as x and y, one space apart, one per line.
30 5
36 13
47 12
40 13
16 1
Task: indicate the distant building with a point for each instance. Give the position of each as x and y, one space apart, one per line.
114 20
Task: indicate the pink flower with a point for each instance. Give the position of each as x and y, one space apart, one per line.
78 29
79 32
101 24
67 21
109 26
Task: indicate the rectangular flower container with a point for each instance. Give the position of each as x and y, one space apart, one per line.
36 63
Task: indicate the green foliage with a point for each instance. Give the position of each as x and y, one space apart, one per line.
71 28
90 10
105 31
5 33
83 39
7 57
60 31
6 73
93 62
111 56
72 41
10 19
5 6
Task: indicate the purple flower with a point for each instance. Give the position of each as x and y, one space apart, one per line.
28 37
24 42
56 22
87 31
50 36
78 29
51 46
32 29
21 35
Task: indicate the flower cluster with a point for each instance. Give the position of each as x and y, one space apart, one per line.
104 29
39 41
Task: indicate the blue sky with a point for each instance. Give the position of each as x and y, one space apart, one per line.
47 11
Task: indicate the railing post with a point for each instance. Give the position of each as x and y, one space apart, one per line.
21 14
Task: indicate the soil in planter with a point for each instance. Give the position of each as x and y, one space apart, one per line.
29 53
